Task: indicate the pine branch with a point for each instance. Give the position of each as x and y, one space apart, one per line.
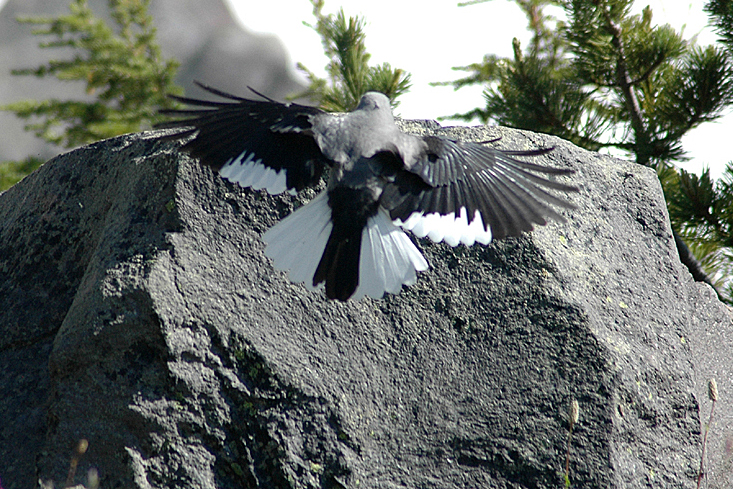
693 265
625 83
721 15
350 75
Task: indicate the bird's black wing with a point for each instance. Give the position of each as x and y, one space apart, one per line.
466 192
256 143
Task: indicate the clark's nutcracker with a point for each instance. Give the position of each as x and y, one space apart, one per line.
380 180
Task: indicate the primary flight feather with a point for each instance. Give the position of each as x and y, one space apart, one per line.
381 179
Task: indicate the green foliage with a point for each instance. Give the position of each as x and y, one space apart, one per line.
123 71
721 13
350 75
539 93
702 212
11 172
607 78
538 90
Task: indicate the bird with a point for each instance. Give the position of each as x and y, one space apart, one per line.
381 181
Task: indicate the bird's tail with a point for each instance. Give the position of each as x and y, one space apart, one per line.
296 243
339 265
302 244
388 258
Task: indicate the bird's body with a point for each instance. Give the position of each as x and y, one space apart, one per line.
380 179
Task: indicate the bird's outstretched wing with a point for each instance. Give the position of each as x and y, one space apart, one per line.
259 144
463 192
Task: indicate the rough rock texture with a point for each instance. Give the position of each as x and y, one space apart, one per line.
137 311
201 34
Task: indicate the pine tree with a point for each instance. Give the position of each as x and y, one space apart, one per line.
607 78
122 68
350 75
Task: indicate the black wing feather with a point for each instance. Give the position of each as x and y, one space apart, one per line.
508 192
277 134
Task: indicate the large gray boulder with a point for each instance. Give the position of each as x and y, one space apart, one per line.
138 312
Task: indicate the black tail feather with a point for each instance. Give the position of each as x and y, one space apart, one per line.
351 208
339 265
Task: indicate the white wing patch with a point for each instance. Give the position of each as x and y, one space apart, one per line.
297 242
449 228
250 172
388 259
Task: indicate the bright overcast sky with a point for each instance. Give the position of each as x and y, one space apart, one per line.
428 42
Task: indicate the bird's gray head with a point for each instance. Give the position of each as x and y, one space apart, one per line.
374 101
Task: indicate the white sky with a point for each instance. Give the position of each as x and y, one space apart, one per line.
427 42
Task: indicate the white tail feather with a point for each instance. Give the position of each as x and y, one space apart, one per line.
388 259
297 242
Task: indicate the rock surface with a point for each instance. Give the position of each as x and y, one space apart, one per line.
137 311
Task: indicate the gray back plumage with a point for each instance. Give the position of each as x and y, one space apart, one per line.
369 129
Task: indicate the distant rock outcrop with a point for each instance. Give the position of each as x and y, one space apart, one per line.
201 34
138 311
